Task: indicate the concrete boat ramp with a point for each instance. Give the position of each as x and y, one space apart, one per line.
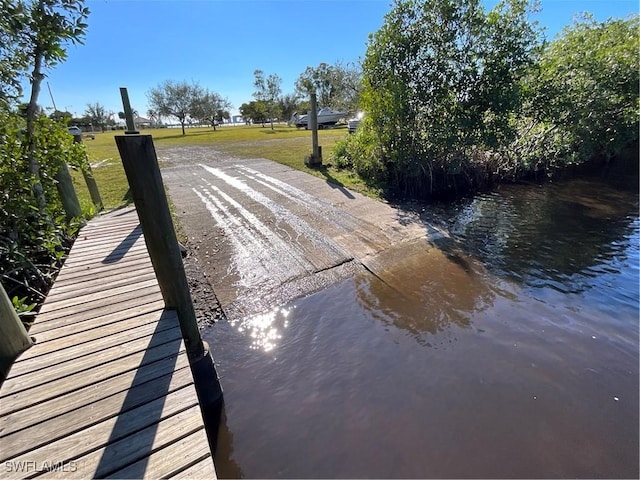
265 233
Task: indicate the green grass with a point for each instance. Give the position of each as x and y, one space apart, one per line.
286 145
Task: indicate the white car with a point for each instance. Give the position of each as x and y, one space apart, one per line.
76 132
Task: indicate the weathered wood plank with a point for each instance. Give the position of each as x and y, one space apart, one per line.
17 393
100 256
68 402
82 323
72 347
138 427
108 241
108 237
202 470
83 298
94 411
72 276
165 463
97 299
104 254
100 285
48 372
108 389
76 337
112 233
56 319
99 225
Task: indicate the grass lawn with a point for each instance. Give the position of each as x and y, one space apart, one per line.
286 145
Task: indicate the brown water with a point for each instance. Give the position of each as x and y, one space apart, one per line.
510 351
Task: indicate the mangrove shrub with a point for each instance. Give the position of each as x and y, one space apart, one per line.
584 95
457 97
33 238
442 84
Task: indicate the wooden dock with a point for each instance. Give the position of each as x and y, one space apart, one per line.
106 391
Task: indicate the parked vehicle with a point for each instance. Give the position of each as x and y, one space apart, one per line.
326 118
77 131
74 131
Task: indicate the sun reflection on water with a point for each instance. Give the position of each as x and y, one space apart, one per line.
265 329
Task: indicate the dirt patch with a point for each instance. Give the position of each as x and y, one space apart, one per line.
205 302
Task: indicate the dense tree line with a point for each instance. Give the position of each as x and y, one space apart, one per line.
458 97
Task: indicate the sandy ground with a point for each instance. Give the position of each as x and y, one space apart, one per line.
261 234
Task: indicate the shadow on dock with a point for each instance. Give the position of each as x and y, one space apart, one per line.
143 418
124 246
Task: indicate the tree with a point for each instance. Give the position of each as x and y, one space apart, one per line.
176 99
585 93
97 115
154 116
254 111
38 31
288 104
443 82
268 92
211 108
33 230
13 59
123 117
337 86
64 117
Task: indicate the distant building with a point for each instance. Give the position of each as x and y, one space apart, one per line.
142 122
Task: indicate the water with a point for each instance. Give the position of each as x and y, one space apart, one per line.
510 351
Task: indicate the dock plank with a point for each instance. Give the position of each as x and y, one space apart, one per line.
75 338
68 402
163 463
84 371
107 389
60 319
125 426
201 470
71 347
95 409
62 328
99 285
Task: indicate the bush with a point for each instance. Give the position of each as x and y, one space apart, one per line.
584 99
458 98
33 240
443 81
362 153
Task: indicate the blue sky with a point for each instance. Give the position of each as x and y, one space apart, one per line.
219 43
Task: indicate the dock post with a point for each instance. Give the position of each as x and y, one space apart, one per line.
15 339
147 189
315 159
87 173
67 193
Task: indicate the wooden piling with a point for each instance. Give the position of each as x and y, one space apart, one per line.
143 173
147 189
67 193
128 112
92 186
15 339
315 159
